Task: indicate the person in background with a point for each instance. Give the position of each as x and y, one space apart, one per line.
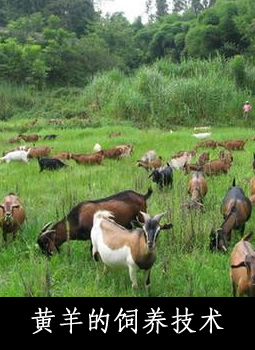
246 109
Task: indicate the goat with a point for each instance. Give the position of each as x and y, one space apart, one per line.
62 155
77 225
149 156
252 190
40 151
97 147
50 163
179 162
163 176
114 153
118 246
236 209
226 155
233 144
50 137
29 138
197 187
202 135
242 272
154 164
207 144
203 158
19 155
14 139
216 167
126 150
95 158
12 215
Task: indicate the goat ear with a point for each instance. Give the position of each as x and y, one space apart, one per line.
248 236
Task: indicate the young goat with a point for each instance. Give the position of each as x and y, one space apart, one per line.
118 246
12 215
242 271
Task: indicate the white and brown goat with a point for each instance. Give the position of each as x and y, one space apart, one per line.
118 246
242 271
12 215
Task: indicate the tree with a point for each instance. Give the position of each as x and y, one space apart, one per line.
161 8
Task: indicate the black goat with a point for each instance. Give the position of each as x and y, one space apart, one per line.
50 137
50 163
163 176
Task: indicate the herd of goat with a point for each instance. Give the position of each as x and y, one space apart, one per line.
120 229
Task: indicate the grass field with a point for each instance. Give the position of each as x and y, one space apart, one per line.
184 265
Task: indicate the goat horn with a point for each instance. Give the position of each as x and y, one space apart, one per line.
146 216
46 226
158 217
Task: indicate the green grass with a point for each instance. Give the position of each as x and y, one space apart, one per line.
184 265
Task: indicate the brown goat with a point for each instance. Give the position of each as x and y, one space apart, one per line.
14 139
242 271
154 164
40 151
125 205
216 167
236 209
114 153
12 215
30 138
207 144
252 191
203 158
62 155
88 158
197 187
233 144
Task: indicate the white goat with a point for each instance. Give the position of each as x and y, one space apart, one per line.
178 163
118 246
149 156
97 147
202 135
19 155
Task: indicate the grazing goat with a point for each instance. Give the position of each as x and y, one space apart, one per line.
233 144
207 144
149 156
179 162
203 158
154 164
236 209
252 191
242 271
40 151
16 156
12 215
163 176
14 139
216 167
125 205
126 150
50 137
197 187
118 246
97 147
202 135
95 158
62 155
50 164
29 138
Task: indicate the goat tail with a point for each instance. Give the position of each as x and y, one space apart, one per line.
149 193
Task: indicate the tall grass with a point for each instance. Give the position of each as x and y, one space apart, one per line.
184 265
